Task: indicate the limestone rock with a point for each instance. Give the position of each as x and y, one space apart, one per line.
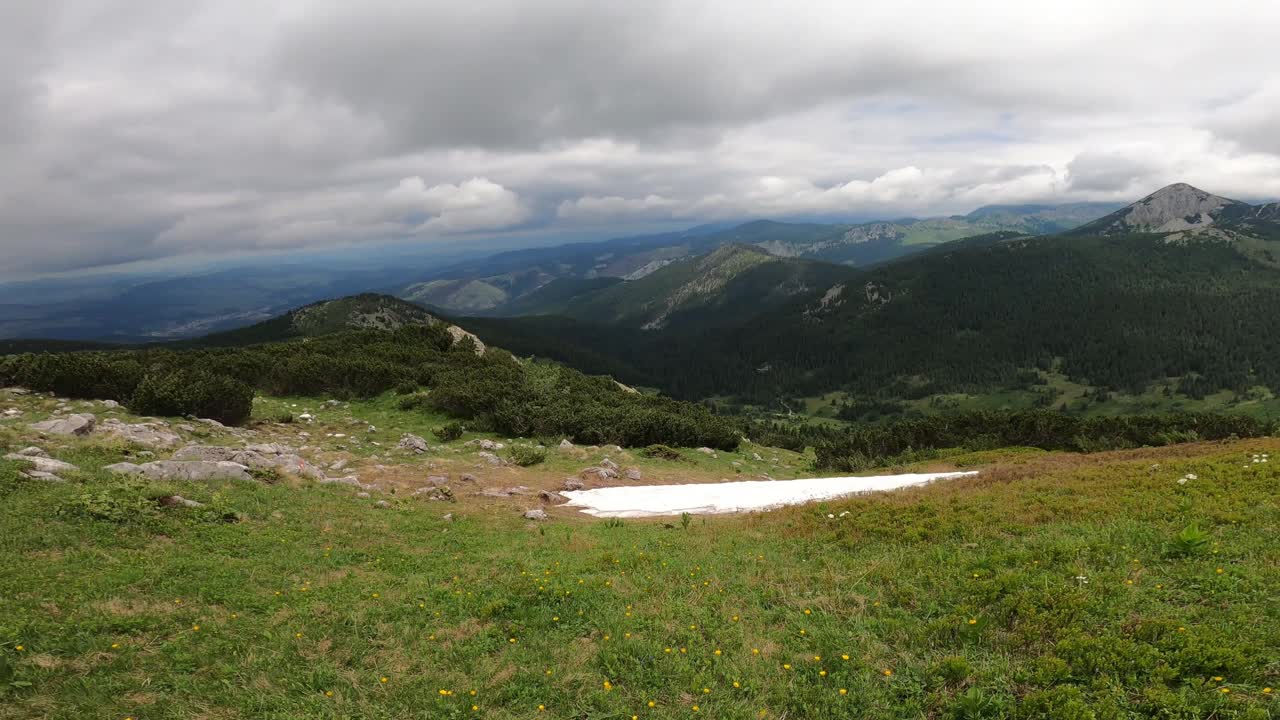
632 473
44 464
178 501
32 451
574 484
145 434
188 470
597 474
412 443
535 514
81 424
566 445
41 475
491 458
607 463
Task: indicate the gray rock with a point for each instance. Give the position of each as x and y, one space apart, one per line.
212 423
271 449
607 463
81 424
597 474
363 495
756 456
382 504
447 517
110 404
146 434
438 479
574 484
440 492
178 501
33 451
412 443
124 468
351 480
468 477
487 444
44 464
632 473
338 465
44 476
11 413
535 514
186 471
566 445
491 458
286 463
706 451
505 492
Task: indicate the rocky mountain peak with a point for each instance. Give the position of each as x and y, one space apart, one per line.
1172 208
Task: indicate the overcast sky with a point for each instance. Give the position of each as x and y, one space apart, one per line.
144 129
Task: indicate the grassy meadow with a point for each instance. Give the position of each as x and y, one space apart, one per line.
1050 586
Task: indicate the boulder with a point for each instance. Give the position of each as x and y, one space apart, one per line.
597 474
632 473
505 492
11 413
110 404
363 495
145 434
437 479
706 451
491 458
574 484
81 424
382 504
279 457
468 477
607 463
486 444
412 443
535 514
44 464
32 451
566 445
124 468
338 465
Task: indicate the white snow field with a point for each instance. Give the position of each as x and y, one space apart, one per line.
730 497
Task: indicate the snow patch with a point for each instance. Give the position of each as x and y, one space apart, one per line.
730 497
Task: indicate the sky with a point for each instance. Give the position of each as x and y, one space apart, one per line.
144 130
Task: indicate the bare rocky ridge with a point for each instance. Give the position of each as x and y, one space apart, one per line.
1175 208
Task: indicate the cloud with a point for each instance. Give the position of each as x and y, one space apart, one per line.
137 130
476 204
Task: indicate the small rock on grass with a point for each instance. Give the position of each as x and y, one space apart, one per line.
535 514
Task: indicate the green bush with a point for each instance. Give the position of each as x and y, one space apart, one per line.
193 392
526 455
661 452
449 432
121 503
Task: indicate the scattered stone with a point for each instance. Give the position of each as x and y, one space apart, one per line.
111 405
178 501
338 465
566 445
285 462
756 456
382 504
306 417
124 468
486 444
491 458
363 495
632 473
332 403
212 423
44 464
505 492
707 451
145 434
550 497
11 413
271 449
437 479
468 477
574 484
412 443
185 427
81 425
607 463
17 391
447 517
33 451
535 514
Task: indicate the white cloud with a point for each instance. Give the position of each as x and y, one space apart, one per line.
135 130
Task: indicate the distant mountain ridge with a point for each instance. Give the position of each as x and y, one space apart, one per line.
1182 208
501 284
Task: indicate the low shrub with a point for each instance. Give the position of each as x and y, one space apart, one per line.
526 455
193 392
449 432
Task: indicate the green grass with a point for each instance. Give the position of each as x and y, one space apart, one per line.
303 607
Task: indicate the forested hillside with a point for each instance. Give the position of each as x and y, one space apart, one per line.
1110 311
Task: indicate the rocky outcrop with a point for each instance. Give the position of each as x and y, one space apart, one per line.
79 425
257 457
147 434
184 471
598 474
